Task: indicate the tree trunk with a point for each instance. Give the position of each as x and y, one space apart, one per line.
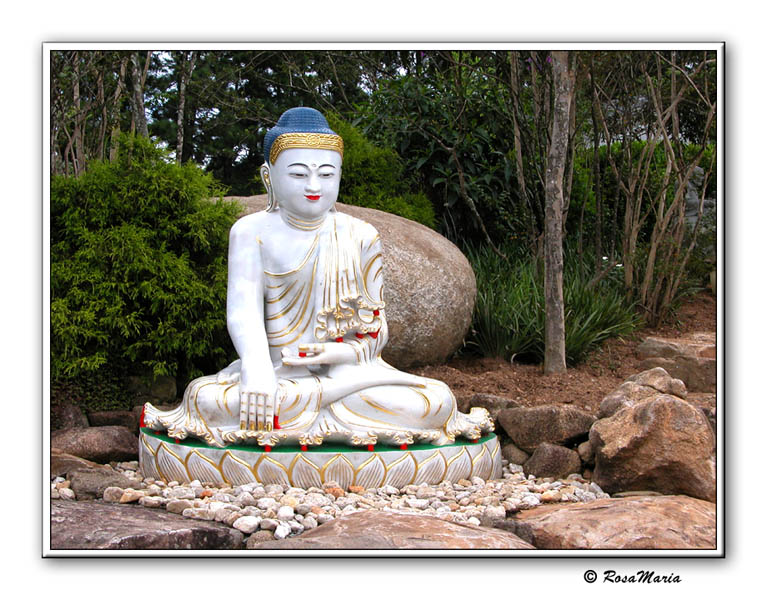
554 353
186 67
137 98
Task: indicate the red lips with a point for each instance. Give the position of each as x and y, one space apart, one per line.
313 198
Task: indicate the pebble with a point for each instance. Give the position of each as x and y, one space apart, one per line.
247 524
276 511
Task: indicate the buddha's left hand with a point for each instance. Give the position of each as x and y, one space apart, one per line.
320 354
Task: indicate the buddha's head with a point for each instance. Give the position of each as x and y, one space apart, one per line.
302 171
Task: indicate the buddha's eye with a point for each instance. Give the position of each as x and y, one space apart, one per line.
299 175
326 175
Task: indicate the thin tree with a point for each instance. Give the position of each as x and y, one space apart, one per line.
554 335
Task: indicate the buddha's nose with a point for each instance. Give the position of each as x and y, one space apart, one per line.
313 184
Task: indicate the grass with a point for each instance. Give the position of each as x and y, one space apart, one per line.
509 315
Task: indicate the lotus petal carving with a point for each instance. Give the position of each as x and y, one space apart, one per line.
169 464
458 466
431 470
202 468
269 470
340 470
146 458
402 471
371 473
304 473
235 470
481 464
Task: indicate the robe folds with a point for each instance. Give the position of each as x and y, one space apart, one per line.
333 294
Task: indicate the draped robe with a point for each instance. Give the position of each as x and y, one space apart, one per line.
334 292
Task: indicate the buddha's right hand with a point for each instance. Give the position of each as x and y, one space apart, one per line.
258 402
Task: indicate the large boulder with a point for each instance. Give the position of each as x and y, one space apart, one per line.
99 526
63 463
430 286
89 483
375 530
122 418
641 386
642 523
530 427
494 404
550 460
691 358
98 444
66 415
663 444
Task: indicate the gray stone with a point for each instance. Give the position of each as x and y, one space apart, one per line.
66 415
379 530
247 524
99 444
643 523
89 484
663 444
514 455
493 404
550 460
63 463
98 526
530 427
122 418
691 358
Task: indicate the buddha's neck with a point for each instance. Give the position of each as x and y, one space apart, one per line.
301 223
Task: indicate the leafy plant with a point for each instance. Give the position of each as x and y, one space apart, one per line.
509 315
138 267
374 177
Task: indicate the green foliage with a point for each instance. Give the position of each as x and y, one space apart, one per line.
104 389
509 316
453 108
374 177
138 267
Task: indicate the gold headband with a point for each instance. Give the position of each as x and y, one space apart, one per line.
322 141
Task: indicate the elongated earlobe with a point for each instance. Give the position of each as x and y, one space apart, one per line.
271 205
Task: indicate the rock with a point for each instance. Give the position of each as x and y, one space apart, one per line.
112 494
660 380
122 418
426 324
379 530
88 483
178 506
66 415
493 404
639 387
131 495
530 427
647 523
586 453
63 463
663 444
514 455
259 537
247 524
98 526
550 460
99 444
691 359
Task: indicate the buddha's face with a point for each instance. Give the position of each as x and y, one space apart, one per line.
305 181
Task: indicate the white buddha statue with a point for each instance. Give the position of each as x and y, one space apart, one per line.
306 314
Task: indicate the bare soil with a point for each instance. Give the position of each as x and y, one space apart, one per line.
584 385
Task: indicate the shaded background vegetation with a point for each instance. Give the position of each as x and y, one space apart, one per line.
457 140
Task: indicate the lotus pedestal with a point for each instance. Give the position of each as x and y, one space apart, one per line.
187 460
